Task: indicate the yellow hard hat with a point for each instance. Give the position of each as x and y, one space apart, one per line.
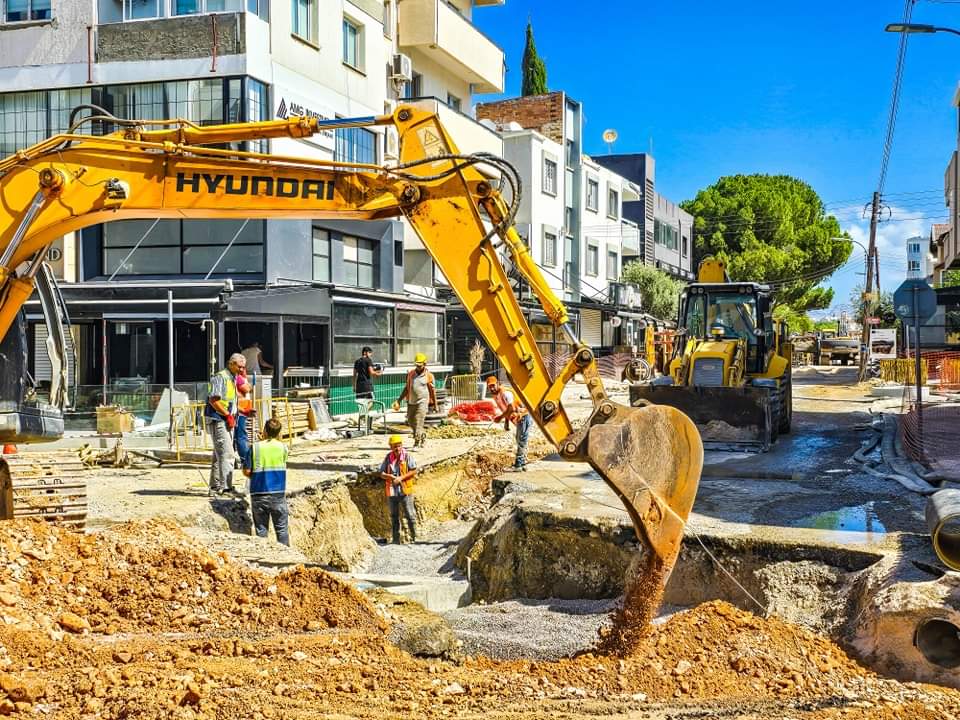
420 358
395 440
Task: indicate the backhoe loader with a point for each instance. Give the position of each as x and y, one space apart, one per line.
730 371
651 457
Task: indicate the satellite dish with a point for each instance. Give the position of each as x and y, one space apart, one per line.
610 137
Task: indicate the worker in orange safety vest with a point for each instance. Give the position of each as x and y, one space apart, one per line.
398 470
512 410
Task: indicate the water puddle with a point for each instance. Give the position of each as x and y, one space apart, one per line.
857 518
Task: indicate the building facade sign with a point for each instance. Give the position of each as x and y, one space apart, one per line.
883 343
288 104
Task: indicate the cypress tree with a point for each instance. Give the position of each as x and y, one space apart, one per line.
534 71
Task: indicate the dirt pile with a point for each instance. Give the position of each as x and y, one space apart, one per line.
151 577
139 622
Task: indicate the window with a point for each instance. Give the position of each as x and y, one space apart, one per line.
453 102
26 10
685 246
914 247
355 145
613 265
321 255
419 332
353 44
570 153
260 8
613 203
359 262
414 88
914 266
593 195
549 249
549 176
305 20
355 326
174 247
666 235
593 259
387 19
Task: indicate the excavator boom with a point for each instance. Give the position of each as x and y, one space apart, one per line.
650 456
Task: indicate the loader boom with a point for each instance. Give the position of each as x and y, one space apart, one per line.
72 181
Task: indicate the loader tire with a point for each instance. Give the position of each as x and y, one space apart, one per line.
786 402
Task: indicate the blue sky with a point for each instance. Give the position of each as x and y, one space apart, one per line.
719 88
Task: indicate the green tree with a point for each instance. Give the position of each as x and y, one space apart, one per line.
881 308
951 278
796 322
534 71
770 228
659 293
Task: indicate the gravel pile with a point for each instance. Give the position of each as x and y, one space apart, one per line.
428 558
529 628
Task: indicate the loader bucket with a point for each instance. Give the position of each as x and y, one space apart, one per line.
728 418
651 457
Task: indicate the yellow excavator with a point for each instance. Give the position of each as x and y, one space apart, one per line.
730 371
651 456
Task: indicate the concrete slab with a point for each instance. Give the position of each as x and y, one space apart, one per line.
438 594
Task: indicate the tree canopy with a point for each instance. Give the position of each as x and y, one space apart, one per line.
770 228
659 293
881 308
534 71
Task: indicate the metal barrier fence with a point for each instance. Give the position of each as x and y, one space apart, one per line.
463 388
190 431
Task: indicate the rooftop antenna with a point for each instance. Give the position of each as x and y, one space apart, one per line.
610 137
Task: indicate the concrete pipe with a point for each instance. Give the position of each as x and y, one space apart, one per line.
943 521
938 640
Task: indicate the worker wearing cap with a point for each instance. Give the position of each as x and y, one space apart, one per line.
511 410
220 417
398 470
421 396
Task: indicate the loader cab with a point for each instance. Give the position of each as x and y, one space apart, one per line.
731 311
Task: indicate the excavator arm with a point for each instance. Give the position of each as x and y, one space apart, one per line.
650 456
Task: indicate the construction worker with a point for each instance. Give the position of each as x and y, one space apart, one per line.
511 410
267 470
398 470
421 397
220 417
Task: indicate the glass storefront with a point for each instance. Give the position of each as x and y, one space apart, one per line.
356 326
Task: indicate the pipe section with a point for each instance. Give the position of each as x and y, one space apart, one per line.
943 521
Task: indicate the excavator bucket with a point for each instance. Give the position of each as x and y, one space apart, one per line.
651 457
728 418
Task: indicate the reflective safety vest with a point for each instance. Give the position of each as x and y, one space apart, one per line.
268 463
405 485
502 403
230 398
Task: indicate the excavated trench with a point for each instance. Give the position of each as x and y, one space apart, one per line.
550 578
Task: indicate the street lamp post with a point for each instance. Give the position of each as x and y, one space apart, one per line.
918 29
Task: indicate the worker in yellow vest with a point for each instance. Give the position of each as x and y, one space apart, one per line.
220 417
398 470
266 467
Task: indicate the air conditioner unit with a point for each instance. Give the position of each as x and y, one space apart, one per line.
402 68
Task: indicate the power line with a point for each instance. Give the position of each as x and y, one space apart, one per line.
895 97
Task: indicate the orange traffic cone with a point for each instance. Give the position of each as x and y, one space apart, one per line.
9 449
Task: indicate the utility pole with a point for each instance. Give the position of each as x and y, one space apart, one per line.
871 254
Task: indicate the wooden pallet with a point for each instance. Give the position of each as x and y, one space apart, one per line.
49 486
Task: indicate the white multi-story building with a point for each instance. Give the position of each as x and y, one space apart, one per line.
571 216
311 292
919 259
